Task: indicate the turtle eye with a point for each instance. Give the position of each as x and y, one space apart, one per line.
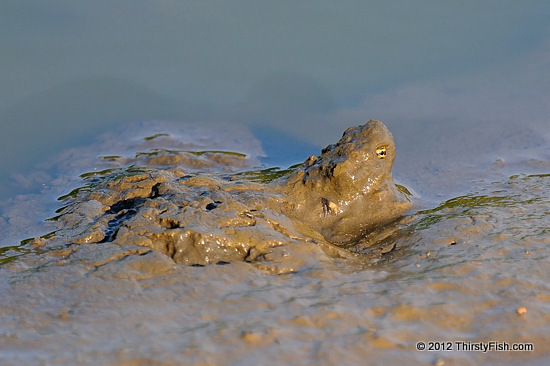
381 152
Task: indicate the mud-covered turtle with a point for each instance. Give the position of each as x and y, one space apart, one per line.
199 217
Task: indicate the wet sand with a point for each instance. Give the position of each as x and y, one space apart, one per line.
459 270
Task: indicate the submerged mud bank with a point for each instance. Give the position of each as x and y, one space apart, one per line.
453 271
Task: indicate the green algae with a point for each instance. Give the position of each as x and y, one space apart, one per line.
10 254
264 175
111 157
231 153
470 204
403 190
460 206
157 152
96 177
150 138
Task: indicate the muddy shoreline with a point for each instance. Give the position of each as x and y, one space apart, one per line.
450 272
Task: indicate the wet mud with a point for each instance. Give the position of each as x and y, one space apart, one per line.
472 268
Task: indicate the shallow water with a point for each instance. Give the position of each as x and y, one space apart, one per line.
463 88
